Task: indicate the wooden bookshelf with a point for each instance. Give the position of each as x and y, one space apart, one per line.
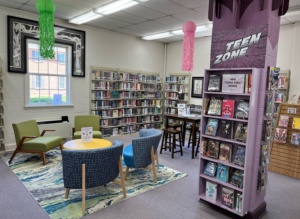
285 157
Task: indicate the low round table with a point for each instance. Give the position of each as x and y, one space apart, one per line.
78 144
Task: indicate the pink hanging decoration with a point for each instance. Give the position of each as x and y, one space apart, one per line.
189 29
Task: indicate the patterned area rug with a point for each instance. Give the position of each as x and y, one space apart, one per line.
45 183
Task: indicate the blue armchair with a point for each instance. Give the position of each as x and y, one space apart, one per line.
142 152
83 169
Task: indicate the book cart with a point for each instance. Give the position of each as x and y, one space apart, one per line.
251 199
285 157
126 101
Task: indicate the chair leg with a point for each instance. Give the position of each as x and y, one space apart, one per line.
12 156
122 177
180 143
44 158
173 145
198 146
190 139
67 193
61 147
156 158
83 189
153 164
126 172
162 143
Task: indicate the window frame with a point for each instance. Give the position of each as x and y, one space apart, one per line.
67 85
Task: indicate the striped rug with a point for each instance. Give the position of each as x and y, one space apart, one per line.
45 183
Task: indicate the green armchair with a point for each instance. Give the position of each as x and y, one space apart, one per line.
87 121
29 140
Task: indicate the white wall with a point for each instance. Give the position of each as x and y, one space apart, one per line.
103 48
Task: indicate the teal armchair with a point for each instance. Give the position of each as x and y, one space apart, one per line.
87 121
29 140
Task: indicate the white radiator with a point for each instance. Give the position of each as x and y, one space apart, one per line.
62 127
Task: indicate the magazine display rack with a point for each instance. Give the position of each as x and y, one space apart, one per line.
285 156
282 93
126 101
176 92
237 191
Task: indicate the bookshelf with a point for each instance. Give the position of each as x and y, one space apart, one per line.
251 198
282 93
126 101
176 91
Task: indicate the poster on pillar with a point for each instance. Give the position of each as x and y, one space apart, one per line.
245 33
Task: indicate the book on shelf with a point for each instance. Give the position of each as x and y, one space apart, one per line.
203 148
215 107
214 83
228 108
237 178
282 81
226 129
295 139
272 79
115 131
233 83
115 122
280 135
228 197
249 83
210 169
225 152
239 158
222 173
238 202
205 105
211 126
242 109
283 121
211 190
213 149
269 104
181 109
296 123
279 97
241 132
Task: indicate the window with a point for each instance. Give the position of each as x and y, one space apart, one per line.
48 81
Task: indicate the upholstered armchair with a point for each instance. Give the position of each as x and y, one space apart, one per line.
83 169
29 140
87 121
143 151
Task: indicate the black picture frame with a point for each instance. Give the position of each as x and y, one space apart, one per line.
19 29
197 87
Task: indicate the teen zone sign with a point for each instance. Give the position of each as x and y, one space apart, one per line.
238 48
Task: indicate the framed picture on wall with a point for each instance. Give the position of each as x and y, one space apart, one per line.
197 87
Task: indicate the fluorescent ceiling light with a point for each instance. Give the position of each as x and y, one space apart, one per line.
86 17
177 32
115 6
157 36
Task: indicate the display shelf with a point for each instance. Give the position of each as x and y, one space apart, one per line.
176 91
125 101
252 198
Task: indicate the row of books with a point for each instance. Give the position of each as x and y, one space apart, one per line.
230 83
176 79
229 197
126 112
225 174
226 108
226 129
108 131
175 88
108 85
129 120
223 151
124 76
100 104
98 95
174 96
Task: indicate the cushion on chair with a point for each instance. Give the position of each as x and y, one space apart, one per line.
42 143
27 128
96 134
128 156
86 121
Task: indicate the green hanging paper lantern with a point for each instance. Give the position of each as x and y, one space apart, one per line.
46 9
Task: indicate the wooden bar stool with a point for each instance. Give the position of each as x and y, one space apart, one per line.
170 134
177 126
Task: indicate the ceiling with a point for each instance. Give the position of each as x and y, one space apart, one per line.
151 17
